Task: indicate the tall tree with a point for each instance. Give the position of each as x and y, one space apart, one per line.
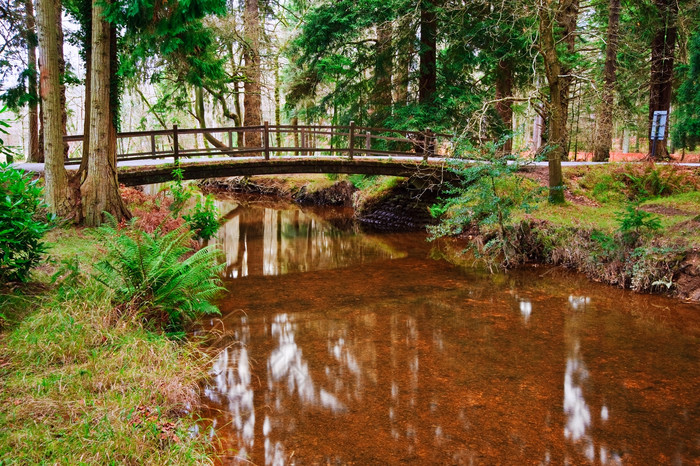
252 98
427 80
35 153
686 133
557 24
662 55
56 178
404 35
604 114
100 189
381 93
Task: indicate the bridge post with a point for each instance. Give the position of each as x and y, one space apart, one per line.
368 142
352 140
176 146
153 145
266 140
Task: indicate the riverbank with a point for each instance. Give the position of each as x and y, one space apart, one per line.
585 234
633 226
81 384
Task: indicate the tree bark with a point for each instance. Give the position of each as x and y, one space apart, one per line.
382 75
100 189
504 106
604 123
566 16
201 119
35 154
556 111
55 176
252 100
62 71
427 81
404 52
278 101
82 171
662 55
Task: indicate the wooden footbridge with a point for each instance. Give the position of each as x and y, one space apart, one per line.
149 156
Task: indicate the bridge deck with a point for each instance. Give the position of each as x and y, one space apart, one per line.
136 172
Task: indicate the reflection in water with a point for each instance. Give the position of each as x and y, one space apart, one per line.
269 242
413 361
232 378
577 412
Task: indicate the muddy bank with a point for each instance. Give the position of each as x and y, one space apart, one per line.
657 267
399 208
308 191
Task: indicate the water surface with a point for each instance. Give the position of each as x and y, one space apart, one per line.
345 348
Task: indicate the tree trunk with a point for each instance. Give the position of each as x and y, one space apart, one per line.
201 119
100 190
252 100
35 153
427 81
55 176
566 16
404 52
278 101
604 123
382 75
62 71
662 55
82 171
504 107
556 110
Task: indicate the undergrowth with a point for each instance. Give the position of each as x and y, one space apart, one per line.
74 388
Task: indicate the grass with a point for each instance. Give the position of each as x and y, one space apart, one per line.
587 232
78 386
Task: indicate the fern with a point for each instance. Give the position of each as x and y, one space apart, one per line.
152 275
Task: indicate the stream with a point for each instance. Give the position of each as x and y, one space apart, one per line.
342 347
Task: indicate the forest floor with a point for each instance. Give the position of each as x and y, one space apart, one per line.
82 384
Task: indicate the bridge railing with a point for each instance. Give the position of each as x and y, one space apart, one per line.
272 140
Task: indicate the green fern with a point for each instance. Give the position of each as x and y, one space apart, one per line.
153 276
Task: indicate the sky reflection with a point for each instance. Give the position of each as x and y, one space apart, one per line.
371 361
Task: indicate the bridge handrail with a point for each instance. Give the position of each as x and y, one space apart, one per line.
341 139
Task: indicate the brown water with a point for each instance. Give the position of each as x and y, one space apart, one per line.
345 348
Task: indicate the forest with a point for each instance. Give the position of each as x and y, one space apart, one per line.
559 78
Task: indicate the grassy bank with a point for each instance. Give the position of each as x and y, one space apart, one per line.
635 226
81 383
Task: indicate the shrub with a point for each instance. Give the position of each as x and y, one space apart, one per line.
153 278
9 152
23 222
181 193
635 223
651 180
488 193
203 218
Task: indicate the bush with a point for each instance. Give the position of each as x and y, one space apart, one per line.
23 222
203 218
488 193
181 193
153 278
634 223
